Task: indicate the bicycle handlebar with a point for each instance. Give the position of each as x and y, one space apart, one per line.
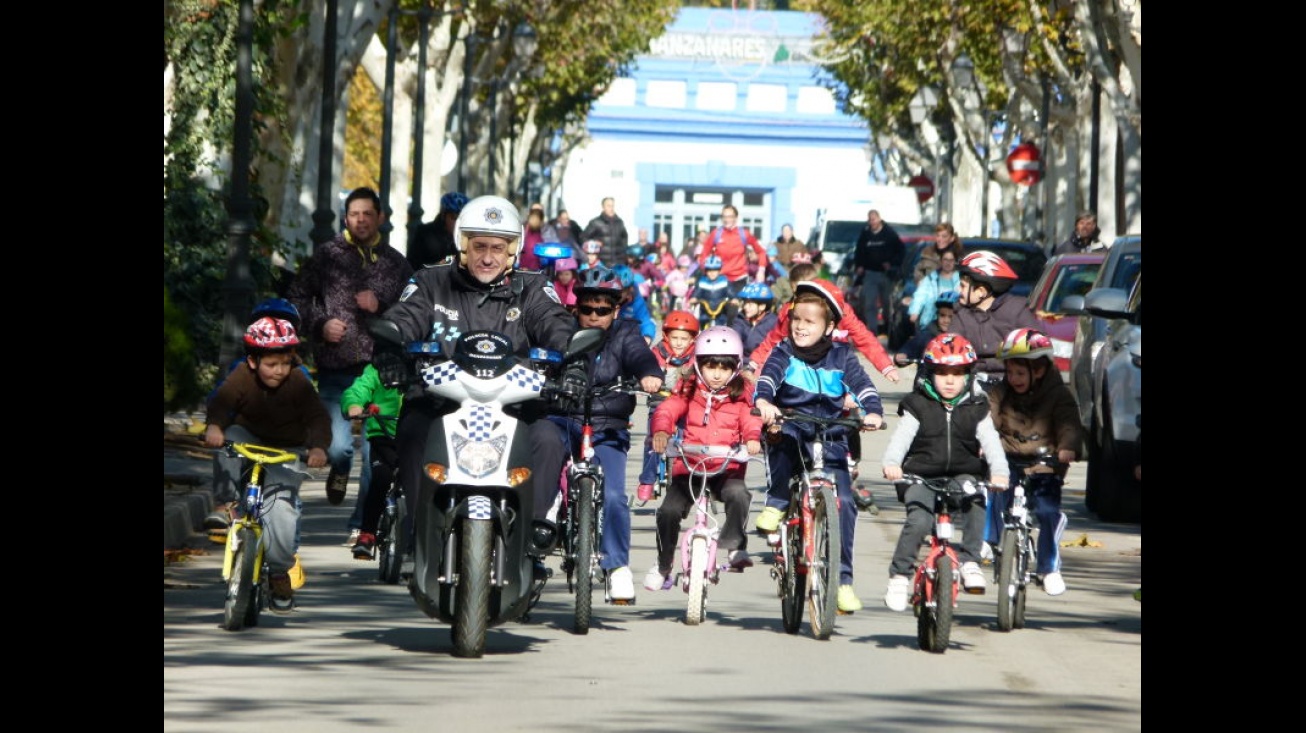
854 423
263 453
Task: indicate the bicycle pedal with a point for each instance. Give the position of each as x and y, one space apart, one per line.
218 536
845 613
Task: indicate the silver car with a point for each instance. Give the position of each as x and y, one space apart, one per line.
1114 491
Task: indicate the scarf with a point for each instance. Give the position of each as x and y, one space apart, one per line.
815 352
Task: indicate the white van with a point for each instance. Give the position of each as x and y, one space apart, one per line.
837 227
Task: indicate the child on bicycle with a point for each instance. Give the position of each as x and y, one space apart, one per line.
711 293
755 319
811 373
624 354
944 429
673 352
367 389
1034 409
269 402
715 411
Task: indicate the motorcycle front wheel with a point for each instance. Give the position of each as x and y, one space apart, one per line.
472 615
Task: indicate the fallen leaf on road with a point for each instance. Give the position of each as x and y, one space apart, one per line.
1083 541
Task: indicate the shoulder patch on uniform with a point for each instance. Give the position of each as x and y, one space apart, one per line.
553 294
409 289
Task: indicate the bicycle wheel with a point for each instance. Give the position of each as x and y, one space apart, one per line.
472 614
935 626
1007 579
823 574
697 580
1026 561
240 582
585 549
391 557
792 585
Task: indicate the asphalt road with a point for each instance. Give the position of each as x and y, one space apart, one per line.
358 654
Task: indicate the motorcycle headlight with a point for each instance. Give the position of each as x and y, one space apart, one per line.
479 458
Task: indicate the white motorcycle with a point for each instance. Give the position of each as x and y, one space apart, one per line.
472 521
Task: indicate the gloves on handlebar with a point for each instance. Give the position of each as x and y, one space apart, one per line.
393 368
575 383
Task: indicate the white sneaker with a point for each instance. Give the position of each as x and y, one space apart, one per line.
353 538
1054 584
972 578
621 584
896 596
654 579
986 552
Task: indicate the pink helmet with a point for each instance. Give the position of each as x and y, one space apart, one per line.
719 341
566 263
684 261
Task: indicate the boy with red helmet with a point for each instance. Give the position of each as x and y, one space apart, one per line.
269 401
674 352
714 410
945 430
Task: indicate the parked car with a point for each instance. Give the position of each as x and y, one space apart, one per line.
1118 271
1026 258
1113 490
1063 276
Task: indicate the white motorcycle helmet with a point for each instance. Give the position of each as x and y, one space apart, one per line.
490 215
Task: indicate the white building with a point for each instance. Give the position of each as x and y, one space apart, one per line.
727 107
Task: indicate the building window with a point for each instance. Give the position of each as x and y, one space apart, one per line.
665 94
815 101
767 98
716 95
620 94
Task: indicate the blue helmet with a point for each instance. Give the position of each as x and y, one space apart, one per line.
651 258
626 275
756 291
713 263
947 299
635 250
276 308
453 202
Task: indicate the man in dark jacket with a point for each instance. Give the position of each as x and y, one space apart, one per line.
878 255
348 281
433 241
481 290
987 312
1084 238
609 229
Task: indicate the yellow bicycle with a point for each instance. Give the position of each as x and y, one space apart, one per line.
243 567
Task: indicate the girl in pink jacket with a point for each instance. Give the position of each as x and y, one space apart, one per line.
716 409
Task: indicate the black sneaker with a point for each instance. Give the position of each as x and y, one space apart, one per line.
220 518
283 594
335 487
365 547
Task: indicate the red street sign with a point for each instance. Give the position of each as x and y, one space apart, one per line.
924 187
1023 164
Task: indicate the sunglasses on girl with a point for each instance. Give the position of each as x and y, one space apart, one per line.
590 310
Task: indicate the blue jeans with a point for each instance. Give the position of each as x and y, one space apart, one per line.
610 450
331 384
1043 492
782 461
875 300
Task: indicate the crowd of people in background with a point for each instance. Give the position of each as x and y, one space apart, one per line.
712 315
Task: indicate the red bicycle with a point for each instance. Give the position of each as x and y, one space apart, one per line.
937 582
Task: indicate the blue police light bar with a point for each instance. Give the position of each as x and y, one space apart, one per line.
538 354
425 347
552 251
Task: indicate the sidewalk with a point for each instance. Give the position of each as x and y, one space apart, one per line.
187 479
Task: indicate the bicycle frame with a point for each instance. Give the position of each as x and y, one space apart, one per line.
245 574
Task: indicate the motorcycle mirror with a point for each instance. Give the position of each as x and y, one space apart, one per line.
585 341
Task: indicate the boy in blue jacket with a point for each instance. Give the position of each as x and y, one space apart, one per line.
811 373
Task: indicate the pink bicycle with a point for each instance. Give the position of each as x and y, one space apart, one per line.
698 544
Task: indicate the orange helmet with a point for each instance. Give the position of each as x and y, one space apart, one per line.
949 349
680 321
